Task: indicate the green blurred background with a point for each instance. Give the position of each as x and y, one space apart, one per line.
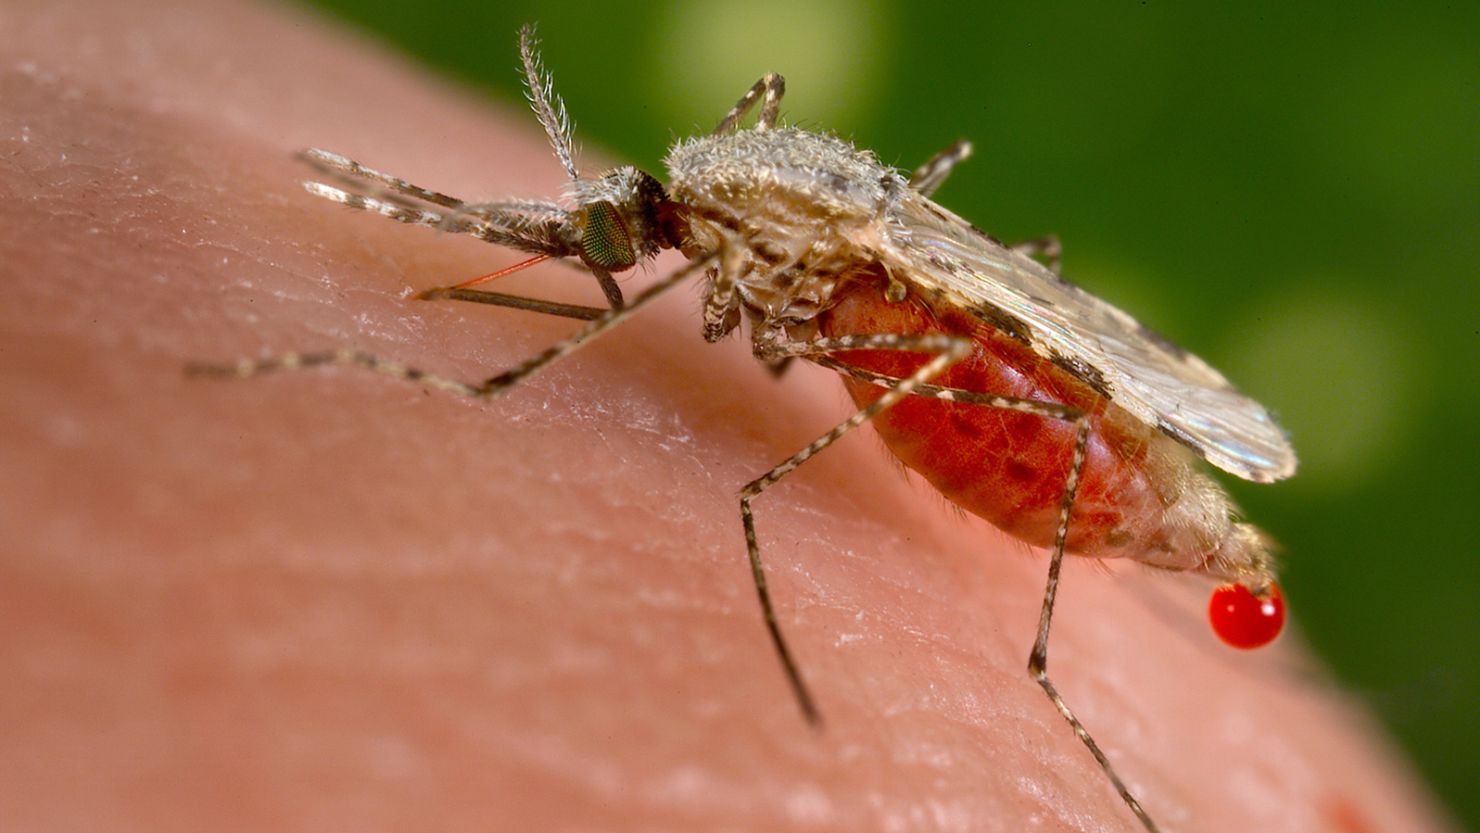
1293 193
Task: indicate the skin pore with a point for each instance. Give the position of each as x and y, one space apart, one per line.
330 600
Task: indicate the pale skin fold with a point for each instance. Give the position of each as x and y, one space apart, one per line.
333 601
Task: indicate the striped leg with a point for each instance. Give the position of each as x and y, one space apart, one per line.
930 175
1038 659
488 389
1052 410
774 87
771 347
721 302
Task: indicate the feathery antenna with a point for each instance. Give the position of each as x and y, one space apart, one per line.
540 89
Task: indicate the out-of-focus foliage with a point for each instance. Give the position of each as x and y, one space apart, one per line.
1291 190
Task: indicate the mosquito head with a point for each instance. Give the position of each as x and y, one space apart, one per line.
622 216
619 218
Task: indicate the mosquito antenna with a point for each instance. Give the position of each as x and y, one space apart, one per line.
540 89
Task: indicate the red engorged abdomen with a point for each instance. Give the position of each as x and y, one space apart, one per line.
1005 466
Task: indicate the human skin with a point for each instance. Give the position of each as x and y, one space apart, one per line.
332 600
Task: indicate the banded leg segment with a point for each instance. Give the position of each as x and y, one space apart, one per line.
1052 410
770 348
1038 659
488 389
721 302
247 368
773 86
929 176
607 321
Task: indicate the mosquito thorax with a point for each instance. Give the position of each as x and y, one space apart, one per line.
792 192
617 220
795 203
784 174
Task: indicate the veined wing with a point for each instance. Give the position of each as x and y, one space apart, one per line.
947 260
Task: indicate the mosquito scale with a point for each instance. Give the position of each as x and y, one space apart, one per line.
1022 398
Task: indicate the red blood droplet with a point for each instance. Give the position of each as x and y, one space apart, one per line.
1244 620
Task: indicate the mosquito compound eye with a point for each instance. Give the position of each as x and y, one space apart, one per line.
1244 620
605 241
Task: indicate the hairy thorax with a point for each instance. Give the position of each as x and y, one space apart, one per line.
787 208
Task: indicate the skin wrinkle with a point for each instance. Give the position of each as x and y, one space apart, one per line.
332 600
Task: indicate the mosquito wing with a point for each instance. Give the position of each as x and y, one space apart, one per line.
947 260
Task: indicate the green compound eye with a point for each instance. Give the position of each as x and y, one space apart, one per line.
605 241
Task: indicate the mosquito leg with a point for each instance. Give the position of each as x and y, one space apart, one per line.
1051 410
1046 248
609 319
488 389
247 368
771 108
774 87
930 175
609 288
1038 660
947 349
721 303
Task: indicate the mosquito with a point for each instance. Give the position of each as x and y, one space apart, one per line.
1021 397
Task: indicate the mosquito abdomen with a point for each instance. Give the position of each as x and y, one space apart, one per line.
1140 495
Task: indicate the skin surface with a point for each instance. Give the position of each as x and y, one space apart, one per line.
334 601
